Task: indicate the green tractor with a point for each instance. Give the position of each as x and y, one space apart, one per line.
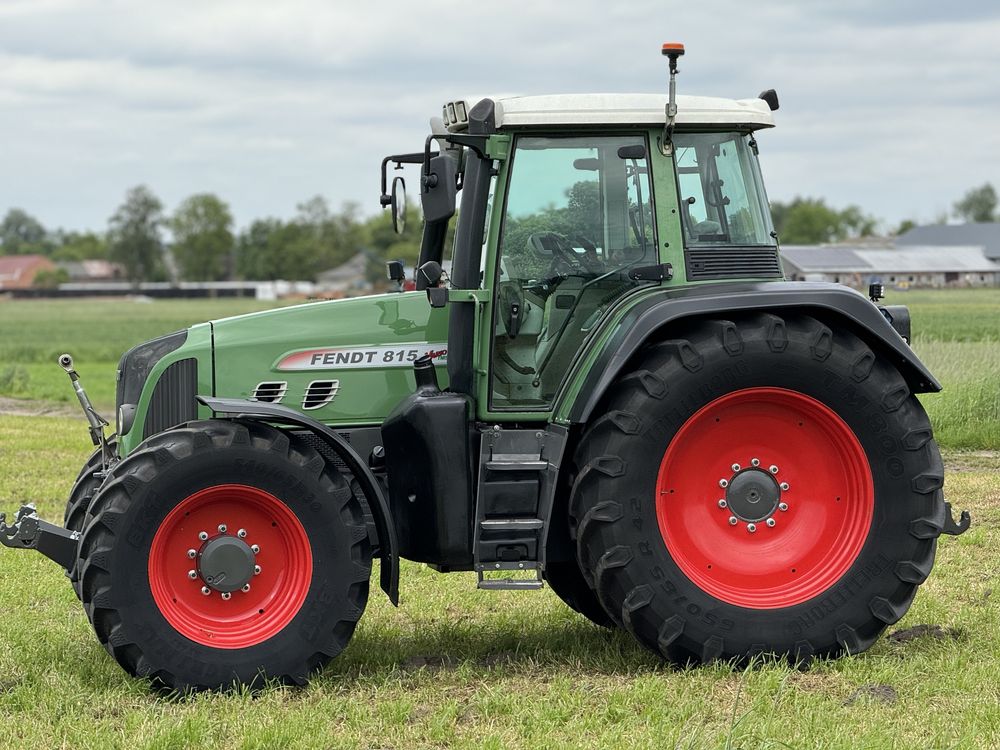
612 391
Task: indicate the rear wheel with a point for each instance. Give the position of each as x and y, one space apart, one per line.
764 485
224 553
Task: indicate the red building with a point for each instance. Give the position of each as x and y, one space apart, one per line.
19 271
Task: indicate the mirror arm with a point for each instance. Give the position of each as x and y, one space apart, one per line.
399 159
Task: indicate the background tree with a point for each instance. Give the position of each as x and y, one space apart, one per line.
809 221
978 204
134 238
21 234
79 245
203 238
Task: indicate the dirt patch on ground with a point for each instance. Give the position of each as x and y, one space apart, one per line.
962 461
22 407
925 631
875 692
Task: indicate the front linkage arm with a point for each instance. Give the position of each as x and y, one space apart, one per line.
30 532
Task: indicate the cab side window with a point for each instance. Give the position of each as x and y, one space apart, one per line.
578 216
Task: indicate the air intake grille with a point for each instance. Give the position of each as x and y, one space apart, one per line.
272 391
705 263
319 393
173 400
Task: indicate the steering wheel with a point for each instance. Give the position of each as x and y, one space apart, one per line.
565 260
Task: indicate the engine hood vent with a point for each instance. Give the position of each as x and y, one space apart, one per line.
271 391
319 393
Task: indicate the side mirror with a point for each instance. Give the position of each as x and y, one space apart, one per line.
437 190
398 204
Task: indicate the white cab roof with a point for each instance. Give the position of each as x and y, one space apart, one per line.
629 109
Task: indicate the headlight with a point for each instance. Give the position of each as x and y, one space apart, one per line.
126 416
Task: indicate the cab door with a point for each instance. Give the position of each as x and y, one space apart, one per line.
577 218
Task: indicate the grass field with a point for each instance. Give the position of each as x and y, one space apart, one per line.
454 666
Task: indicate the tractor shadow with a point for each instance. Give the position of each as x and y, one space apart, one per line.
568 645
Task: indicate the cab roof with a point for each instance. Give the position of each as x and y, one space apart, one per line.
629 109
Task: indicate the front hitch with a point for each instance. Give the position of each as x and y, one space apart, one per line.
30 532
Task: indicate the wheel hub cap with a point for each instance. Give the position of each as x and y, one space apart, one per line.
753 495
226 563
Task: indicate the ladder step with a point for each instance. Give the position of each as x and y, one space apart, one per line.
511 524
510 584
534 465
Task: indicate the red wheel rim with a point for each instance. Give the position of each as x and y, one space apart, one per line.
276 593
820 519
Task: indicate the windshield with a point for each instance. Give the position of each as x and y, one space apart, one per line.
721 193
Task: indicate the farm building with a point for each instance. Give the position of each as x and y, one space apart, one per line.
983 235
19 271
93 271
902 266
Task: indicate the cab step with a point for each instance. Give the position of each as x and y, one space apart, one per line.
511 584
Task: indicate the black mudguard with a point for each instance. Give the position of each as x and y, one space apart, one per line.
828 301
276 413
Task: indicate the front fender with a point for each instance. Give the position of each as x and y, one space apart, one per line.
653 313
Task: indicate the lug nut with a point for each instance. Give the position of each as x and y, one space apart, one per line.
206 590
783 485
773 469
735 467
770 522
254 548
242 533
192 574
192 554
782 506
222 528
751 527
226 596
723 483
755 462
733 520
203 535
256 570
723 503
246 588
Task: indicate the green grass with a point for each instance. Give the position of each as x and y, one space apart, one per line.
96 332
454 666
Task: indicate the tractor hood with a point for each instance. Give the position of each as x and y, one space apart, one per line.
347 361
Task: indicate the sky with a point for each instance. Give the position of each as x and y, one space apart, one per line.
889 105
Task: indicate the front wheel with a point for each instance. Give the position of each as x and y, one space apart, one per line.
223 554
762 485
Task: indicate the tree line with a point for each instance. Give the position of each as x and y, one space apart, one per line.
205 246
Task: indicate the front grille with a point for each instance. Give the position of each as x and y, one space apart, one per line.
706 263
136 364
319 393
173 402
270 391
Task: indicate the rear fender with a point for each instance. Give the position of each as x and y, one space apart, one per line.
652 316
236 408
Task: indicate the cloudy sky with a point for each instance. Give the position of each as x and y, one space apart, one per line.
890 105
